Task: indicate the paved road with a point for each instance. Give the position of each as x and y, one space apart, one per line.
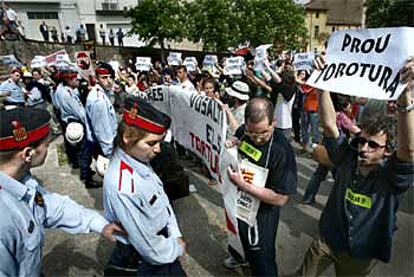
202 222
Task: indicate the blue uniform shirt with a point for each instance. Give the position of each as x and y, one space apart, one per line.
134 196
67 101
23 220
35 97
102 119
16 91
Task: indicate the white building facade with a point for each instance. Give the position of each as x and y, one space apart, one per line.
72 13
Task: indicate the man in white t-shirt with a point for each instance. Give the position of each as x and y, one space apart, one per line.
185 83
283 96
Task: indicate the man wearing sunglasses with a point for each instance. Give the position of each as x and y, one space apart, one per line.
267 148
358 221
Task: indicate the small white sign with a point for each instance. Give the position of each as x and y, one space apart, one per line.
366 62
143 64
234 66
304 61
261 56
174 58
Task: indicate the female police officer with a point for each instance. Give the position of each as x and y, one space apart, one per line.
134 195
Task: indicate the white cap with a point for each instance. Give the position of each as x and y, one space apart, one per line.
74 133
240 90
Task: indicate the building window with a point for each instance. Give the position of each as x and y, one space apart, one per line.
42 15
316 33
317 15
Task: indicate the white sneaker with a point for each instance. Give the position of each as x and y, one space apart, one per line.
232 263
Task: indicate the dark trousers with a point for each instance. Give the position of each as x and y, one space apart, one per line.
126 261
260 250
317 178
88 150
296 123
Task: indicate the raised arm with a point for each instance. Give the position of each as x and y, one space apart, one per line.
405 115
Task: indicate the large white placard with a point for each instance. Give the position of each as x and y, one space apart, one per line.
366 62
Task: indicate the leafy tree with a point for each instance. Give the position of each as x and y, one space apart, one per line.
213 23
224 23
158 20
390 13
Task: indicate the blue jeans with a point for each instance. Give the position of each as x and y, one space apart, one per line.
310 119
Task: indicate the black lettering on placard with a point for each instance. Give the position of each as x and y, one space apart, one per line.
368 45
374 78
205 149
208 107
375 73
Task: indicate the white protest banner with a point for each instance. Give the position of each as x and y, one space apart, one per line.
200 125
304 61
366 62
159 97
174 58
234 66
261 56
143 63
10 60
38 62
51 59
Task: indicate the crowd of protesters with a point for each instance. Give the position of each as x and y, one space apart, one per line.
267 110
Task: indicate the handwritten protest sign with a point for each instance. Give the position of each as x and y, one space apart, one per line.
190 63
234 66
366 62
209 63
261 56
174 58
304 61
143 63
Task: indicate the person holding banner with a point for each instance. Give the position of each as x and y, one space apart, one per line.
135 197
358 222
269 157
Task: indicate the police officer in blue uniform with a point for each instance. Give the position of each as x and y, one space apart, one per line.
27 208
101 114
134 195
67 101
12 89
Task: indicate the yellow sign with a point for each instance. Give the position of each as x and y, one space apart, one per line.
251 151
358 199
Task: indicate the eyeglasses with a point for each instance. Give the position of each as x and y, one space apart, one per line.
371 144
255 135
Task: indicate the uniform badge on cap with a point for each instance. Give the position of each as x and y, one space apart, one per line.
134 111
19 132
